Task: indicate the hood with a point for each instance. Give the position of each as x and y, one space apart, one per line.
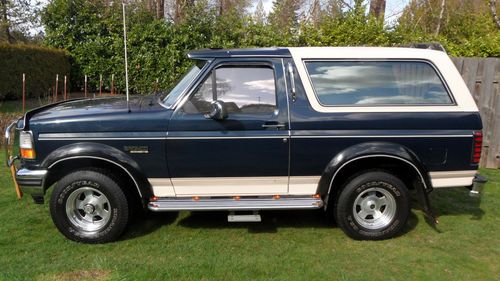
83 107
87 115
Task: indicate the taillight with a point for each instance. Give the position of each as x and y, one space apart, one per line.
478 145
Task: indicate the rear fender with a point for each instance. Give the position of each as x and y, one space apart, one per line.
381 150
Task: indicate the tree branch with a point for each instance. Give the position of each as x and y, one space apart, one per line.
494 13
346 4
440 19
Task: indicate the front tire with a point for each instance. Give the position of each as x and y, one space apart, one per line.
372 206
88 206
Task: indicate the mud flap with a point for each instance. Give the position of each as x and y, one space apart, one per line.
423 196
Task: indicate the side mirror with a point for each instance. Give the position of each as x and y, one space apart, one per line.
217 111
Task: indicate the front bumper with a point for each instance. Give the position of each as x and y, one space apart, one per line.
31 181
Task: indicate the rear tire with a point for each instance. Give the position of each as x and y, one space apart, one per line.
372 206
88 206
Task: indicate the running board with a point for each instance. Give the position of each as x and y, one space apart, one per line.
230 204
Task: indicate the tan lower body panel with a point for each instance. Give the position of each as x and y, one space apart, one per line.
452 178
233 186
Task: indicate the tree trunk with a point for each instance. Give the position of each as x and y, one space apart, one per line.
494 13
160 8
5 22
181 7
377 9
440 19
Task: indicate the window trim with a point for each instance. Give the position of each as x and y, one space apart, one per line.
187 90
436 70
224 62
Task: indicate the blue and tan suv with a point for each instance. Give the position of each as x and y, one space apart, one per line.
349 130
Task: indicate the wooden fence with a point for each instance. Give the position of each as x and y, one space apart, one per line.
482 76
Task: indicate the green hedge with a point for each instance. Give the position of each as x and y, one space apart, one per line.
38 63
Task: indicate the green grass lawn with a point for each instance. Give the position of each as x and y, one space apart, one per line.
292 245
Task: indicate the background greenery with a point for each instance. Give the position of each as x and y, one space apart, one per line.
40 65
92 32
287 245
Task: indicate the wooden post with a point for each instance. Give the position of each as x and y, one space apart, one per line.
24 92
85 86
57 84
100 84
65 89
112 84
19 193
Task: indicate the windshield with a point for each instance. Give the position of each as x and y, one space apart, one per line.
183 83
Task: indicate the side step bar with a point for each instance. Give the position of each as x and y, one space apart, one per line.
230 204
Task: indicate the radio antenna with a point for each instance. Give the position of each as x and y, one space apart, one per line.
126 58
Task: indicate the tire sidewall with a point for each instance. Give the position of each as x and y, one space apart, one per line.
361 183
103 184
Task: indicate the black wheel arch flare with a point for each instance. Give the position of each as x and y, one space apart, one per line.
101 152
372 150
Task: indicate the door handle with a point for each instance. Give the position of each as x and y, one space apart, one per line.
275 125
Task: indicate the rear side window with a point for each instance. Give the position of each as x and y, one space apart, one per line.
371 83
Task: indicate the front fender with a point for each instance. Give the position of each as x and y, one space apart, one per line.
371 149
99 151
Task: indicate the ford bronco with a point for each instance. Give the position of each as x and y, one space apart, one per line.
350 130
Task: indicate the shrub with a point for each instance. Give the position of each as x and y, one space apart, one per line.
38 63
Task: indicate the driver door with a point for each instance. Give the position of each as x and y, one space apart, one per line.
247 153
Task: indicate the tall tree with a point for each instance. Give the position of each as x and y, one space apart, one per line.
17 19
334 8
315 12
160 9
440 18
5 24
259 16
493 10
377 9
284 16
225 7
182 8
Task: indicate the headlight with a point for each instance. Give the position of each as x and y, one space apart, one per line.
26 145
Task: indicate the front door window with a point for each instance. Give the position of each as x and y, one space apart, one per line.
244 90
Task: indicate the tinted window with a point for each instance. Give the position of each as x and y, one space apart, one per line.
242 89
376 83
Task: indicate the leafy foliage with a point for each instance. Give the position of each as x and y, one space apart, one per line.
467 27
38 63
92 33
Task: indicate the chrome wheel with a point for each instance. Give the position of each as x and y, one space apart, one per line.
374 208
88 209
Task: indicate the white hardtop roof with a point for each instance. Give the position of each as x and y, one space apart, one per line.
439 59
365 52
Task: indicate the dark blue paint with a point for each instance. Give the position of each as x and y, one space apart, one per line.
91 149
228 53
310 156
105 118
230 157
188 151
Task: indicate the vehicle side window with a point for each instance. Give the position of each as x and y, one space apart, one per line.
244 90
370 83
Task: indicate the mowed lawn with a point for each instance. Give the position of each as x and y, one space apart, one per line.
294 245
